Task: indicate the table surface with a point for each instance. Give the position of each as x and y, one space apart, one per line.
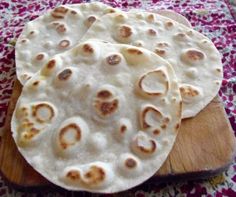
214 18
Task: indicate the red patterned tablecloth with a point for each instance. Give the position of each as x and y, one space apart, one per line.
214 18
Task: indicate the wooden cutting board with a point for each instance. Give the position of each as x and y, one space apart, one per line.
204 147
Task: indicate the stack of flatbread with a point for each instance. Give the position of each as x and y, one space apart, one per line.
105 91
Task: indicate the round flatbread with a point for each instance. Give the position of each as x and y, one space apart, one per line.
54 32
194 57
100 117
57 31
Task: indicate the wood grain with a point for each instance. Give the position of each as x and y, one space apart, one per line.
205 146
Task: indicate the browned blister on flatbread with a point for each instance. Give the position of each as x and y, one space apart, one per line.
70 136
65 130
149 116
153 83
94 176
192 56
113 60
190 93
59 12
144 146
106 103
90 20
35 117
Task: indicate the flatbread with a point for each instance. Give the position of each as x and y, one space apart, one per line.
54 32
57 31
100 117
194 57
